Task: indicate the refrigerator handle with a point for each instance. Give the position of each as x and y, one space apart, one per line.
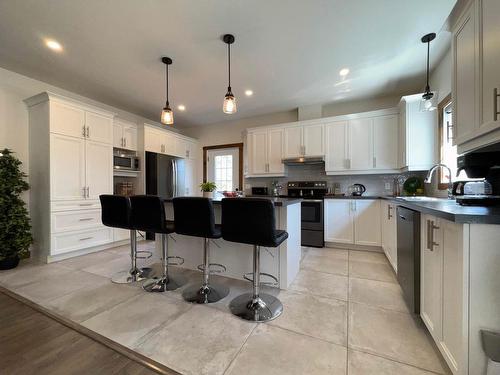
174 178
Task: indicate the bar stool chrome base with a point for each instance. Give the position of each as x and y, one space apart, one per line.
205 294
132 276
163 284
261 309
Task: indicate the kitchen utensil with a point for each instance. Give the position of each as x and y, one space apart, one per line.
357 189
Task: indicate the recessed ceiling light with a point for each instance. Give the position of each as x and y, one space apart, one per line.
53 45
248 92
344 72
181 107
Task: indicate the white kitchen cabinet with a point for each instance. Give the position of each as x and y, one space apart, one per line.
99 127
124 135
389 232
71 241
185 148
152 140
275 165
293 142
314 140
67 119
257 142
385 142
336 146
339 221
265 152
361 144
98 169
353 221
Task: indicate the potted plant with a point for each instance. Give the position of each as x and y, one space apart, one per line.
15 227
208 189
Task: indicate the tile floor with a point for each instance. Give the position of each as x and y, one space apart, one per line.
344 314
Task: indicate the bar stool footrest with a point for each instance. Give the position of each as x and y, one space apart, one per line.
222 267
149 254
249 277
175 263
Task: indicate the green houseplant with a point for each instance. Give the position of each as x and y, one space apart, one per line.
15 227
208 189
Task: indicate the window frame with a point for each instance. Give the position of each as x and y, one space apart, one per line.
239 146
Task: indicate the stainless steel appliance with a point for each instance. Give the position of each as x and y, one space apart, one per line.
304 160
356 190
165 175
408 240
257 190
123 161
312 193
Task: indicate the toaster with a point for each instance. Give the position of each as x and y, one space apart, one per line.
477 188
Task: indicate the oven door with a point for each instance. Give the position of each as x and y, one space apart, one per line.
312 214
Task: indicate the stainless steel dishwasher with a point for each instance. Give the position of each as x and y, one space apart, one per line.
409 256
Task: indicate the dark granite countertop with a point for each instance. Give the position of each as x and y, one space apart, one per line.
447 209
352 197
278 202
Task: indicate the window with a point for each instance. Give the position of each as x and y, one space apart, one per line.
223 165
224 172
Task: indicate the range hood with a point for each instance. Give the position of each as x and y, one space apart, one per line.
305 160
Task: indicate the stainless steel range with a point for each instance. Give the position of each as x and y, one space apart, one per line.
312 193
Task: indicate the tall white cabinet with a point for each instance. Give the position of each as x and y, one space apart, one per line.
71 151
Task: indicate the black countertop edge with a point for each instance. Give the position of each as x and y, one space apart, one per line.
278 202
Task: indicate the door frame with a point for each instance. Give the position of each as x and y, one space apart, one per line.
239 146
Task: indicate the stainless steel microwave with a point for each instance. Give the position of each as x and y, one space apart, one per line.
125 162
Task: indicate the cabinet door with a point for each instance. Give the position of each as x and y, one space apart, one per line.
67 120
67 167
431 275
152 140
367 227
393 237
191 151
465 45
180 147
293 142
339 223
169 141
361 144
385 142
99 127
314 140
490 58
117 135
130 138
385 223
336 146
98 169
258 152
275 152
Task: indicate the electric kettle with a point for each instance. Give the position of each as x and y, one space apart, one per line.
357 189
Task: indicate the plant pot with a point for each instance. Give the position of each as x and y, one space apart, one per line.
9 263
208 194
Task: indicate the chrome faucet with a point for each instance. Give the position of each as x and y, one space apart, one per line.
428 178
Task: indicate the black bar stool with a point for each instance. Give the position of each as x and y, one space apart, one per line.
194 216
115 213
148 214
252 221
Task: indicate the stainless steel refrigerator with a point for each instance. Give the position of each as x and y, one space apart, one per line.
165 175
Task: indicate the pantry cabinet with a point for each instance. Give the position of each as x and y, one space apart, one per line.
265 152
124 135
389 232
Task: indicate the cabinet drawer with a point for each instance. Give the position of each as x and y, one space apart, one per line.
71 241
64 221
75 205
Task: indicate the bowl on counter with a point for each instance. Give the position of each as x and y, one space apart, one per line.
230 194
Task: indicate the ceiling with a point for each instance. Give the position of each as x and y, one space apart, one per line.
288 52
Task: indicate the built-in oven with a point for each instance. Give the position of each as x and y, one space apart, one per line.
125 162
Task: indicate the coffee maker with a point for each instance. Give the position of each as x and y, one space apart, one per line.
484 164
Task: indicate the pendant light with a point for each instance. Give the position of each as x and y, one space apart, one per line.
229 100
167 115
429 98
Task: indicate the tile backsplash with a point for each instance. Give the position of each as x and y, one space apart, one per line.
376 184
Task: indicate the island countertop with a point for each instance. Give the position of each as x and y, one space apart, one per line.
277 201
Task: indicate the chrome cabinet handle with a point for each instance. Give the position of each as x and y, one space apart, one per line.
374 162
88 131
85 219
125 142
389 208
84 191
88 191
84 133
496 95
86 238
430 235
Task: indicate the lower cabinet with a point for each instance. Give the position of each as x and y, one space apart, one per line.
70 241
353 221
443 288
389 232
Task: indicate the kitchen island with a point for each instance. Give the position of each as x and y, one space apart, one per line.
282 262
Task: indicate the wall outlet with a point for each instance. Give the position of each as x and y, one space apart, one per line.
387 186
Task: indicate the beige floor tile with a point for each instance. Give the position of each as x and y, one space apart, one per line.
273 351
321 284
368 256
129 322
330 252
85 303
325 263
372 271
111 267
377 293
323 318
203 340
30 272
394 335
367 364
55 286
88 260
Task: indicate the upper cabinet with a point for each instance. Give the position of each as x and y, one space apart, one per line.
336 146
304 140
265 152
169 143
476 77
125 135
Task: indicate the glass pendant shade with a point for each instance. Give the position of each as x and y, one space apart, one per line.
429 102
229 103
167 116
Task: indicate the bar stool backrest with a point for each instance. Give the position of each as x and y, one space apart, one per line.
115 211
148 213
249 220
194 216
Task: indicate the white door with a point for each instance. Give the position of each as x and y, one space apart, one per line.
385 142
223 168
361 144
66 120
367 227
465 51
99 169
339 223
336 146
314 140
293 142
275 152
258 152
130 138
99 127
118 135
431 276
67 168
490 59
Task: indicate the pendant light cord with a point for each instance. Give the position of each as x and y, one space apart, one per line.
166 68
229 63
427 88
